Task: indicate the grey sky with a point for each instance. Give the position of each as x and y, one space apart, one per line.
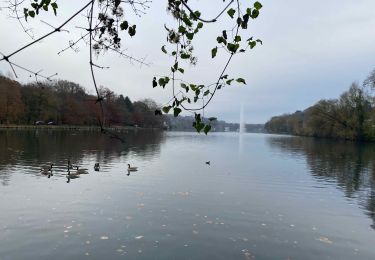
312 50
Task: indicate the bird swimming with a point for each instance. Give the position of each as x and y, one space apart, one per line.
46 168
97 167
81 171
132 169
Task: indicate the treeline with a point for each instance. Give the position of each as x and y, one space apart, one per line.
68 103
184 123
351 116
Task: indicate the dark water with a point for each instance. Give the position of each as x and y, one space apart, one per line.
262 197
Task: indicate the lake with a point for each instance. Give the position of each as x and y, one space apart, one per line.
261 197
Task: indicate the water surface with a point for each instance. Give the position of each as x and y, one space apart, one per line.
261 197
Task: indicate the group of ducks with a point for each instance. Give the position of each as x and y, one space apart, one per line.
47 170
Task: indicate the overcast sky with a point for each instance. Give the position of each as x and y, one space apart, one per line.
312 50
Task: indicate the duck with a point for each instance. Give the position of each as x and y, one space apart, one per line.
47 173
208 162
132 169
46 168
81 171
70 166
97 167
71 176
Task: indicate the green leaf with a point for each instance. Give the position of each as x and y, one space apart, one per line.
124 25
176 111
207 129
166 109
185 56
241 80
225 34
181 70
237 38
206 93
200 25
158 112
233 47
229 81
252 44
231 12
258 5
32 14
161 82
54 7
212 119
254 14
214 52
190 36
181 29
154 83
163 49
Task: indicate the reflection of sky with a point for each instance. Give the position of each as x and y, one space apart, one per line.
175 205
312 50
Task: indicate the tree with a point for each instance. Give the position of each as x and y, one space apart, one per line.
107 20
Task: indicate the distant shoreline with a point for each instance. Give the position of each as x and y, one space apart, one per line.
71 127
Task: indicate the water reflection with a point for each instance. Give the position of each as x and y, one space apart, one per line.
30 150
348 165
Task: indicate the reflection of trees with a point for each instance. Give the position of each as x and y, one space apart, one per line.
350 165
35 147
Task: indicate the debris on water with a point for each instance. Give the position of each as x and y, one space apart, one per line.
184 193
245 239
120 250
325 240
314 228
221 192
195 232
139 237
87 242
247 254
186 245
263 224
104 237
87 253
129 217
209 222
292 225
139 251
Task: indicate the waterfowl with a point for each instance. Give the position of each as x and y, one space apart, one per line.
71 176
47 172
208 162
97 167
70 166
46 168
81 171
132 169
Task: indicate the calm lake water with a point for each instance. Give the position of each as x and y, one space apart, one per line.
262 197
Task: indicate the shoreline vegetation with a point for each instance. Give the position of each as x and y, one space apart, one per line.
61 104
349 117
